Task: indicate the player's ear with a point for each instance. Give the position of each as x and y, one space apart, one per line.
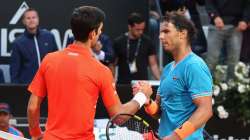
183 34
92 34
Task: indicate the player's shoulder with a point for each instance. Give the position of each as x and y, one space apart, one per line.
101 67
52 56
45 32
120 38
195 60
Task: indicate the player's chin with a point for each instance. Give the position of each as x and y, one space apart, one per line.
166 47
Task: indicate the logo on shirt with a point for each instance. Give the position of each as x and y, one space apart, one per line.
175 78
73 54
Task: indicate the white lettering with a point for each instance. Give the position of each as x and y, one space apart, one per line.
67 34
4 42
13 33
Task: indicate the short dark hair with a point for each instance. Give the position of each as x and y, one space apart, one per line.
29 10
181 23
85 19
135 18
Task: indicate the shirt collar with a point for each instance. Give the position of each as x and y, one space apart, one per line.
27 33
83 50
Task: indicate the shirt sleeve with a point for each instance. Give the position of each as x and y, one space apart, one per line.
108 90
38 84
15 63
199 80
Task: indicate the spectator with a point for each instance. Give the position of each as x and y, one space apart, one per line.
188 8
134 52
29 49
244 57
103 50
228 20
1 76
5 116
154 22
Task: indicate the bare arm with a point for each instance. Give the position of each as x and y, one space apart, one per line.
132 106
201 115
203 112
33 112
112 67
154 67
158 101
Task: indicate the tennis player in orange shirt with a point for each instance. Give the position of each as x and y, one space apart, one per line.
72 80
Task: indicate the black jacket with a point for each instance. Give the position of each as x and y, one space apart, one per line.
24 62
231 11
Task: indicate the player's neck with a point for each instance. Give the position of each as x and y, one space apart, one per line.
181 53
86 44
131 36
32 30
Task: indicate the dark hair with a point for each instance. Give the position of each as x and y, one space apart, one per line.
135 18
29 10
84 20
181 23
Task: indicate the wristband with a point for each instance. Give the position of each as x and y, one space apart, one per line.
140 98
35 131
152 108
185 130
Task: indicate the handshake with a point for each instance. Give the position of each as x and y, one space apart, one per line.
142 91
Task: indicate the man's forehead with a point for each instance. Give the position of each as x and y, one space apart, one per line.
166 24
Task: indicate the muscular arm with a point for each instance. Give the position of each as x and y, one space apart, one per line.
130 107
33 111
201 115
158 102
154 66
203 112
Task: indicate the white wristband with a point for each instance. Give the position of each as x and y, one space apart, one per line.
140 98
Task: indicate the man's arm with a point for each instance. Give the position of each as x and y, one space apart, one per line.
203 112
133 105
154 67
33 112
201 115
15 64
153 108
112 66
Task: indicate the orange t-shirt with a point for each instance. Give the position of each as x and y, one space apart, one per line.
72 80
